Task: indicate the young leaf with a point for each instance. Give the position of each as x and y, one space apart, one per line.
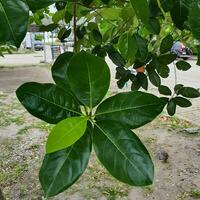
166 44
66 133
182 102
86 73
141 8
61 169
171 107
14 16
122 153
189 92
164 90
59 69
131 108
47 102
182 65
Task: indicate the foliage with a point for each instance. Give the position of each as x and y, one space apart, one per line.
136 34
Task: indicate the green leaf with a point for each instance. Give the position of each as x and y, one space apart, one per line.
182 65
89 78
177 88
189 92
179 12
115 56
142 47
166 44
164 90
166 59
47 102
171 107
63 34
194 19
110 13
66 133
182 102
59 15
63 168
14 16
97 36
131 108
48 28
163 70
122 153
127 46
39 4
154 78
154 26
59 70
141 8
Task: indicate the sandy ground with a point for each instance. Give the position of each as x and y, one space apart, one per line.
22 139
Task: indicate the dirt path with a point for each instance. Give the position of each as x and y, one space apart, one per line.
12 78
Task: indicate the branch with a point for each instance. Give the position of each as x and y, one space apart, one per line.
74 20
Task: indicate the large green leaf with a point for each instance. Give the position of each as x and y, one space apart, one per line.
122 153
66 133
47 102
14 16
39 4
59 69
61 169
141 8
194 18
89 78
132 108
179 12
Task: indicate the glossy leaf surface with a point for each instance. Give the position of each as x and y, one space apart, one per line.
39 4
47 102
66 133
59 70
132 108
122 153
62 168
141 9
182 65
189 92
89 78
14 16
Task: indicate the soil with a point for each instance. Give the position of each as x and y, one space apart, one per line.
22 139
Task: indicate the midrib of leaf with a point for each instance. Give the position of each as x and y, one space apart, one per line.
90 87
58 170
51 102
118 148
7 19
128 108
81 121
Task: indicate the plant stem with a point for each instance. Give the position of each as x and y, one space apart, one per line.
160 6
74 21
